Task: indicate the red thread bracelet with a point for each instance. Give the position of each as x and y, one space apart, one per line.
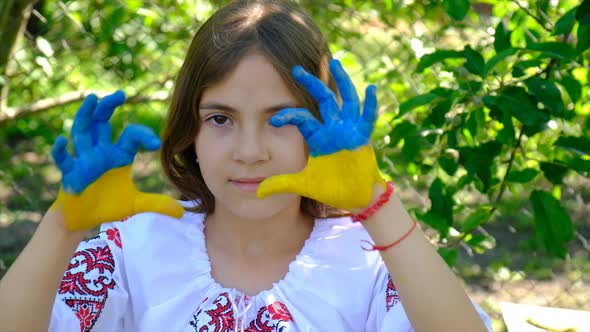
391 245
373 208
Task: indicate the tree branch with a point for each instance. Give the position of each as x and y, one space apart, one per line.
13 113
541 23
510 162
516 147
14 15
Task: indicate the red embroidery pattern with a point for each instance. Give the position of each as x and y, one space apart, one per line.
114 235
218 316
87 311
279 311
271 318
85 284
391 295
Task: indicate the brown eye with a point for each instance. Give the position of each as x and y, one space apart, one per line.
219 120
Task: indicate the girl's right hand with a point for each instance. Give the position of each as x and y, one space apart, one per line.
96 182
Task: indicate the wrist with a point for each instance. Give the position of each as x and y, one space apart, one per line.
390 225
381 194
54 220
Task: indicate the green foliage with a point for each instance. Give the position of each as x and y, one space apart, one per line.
457 9
583 13
516 105
554 225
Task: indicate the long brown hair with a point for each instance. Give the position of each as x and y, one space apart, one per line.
282 32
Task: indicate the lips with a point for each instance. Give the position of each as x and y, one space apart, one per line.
247 184
248 180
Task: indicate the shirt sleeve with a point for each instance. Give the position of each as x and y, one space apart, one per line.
386 312
92 295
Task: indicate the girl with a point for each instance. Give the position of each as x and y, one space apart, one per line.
265 238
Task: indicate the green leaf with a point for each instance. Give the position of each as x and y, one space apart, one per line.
475 121
115 20
583 13
475 62
476 218
118 49
435 221
522 106
439 55
438 113
530 63
502 38
547 93
566 23
468 137
464 180
443 92
553 172
441 202
573 87
452 138
554 50
552 223
579 145
417 101
448 163
449 255
518 71
499 57
583 38
457 9
403 130
470 87
578 164
507 133
522 176
412 147
478 161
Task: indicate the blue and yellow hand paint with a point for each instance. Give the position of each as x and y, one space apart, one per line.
342 168
97 185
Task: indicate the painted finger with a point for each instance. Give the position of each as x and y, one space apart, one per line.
104 110
285 183
350 99
136 136
325 97
60 155
147 202
81 129
369 111
300 117
107 105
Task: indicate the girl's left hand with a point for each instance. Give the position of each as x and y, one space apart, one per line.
341 170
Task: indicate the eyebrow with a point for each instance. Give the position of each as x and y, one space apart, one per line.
227 108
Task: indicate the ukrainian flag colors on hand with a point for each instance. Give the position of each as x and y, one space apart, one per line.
96 184
342 169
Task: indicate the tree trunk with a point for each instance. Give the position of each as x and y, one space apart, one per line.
14 15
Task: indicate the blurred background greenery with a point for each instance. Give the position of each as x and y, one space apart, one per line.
484 121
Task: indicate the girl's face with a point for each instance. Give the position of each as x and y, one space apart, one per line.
236 145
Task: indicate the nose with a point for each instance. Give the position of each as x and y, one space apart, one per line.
250 145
